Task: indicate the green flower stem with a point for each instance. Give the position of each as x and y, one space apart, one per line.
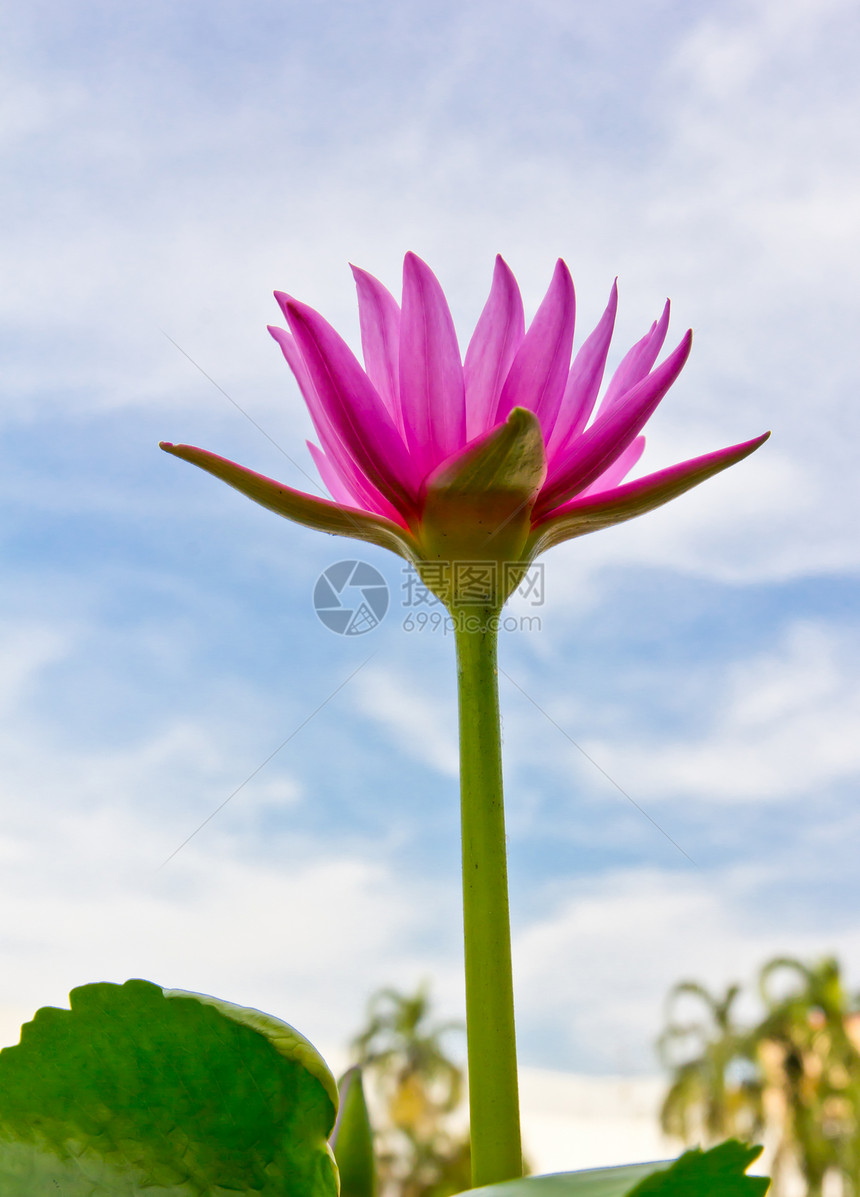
493 1089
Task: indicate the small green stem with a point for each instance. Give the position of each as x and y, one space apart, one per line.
493 1089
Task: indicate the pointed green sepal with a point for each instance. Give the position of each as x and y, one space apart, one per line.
352 1141
321 514
477 507
633 498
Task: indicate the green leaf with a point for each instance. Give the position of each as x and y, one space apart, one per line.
352 1141
719 1172
137 1090
598 1182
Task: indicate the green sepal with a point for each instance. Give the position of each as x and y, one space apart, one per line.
631 499
140 1091
477 507
352 1141
321 514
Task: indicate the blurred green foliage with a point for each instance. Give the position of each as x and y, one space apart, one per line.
792 1077
422 1146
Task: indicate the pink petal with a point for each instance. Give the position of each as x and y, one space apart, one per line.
364 497
432 394
583 383
589 514
498 334
537 377
332 480
611 433
295 361
337 456
636 362
379 316
353 408
619 469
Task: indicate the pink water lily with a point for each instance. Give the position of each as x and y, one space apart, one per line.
492 458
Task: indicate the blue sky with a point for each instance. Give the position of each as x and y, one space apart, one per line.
169 167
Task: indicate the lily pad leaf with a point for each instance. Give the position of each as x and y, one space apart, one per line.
137 1090
720 1172
595 1182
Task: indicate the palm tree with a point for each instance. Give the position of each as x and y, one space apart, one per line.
812 1067
420 1086
716 1089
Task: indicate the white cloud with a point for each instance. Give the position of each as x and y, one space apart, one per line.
306 938
26 649
252 909
412 718
597 968
784 727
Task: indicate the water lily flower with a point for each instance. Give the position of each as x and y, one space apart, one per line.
492 458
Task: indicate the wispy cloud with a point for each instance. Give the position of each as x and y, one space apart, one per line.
782 729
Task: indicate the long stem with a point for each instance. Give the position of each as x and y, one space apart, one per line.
493 1090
